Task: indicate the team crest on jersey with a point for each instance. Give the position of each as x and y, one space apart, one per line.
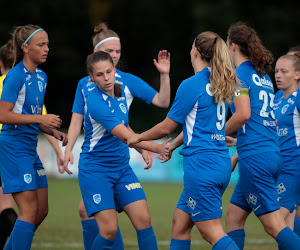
191 203
97 198
284 108
123 108
208 89
280 188
252 199
41 87
27 178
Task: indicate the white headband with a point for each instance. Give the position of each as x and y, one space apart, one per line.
105 40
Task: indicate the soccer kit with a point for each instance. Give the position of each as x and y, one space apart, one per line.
105 177
288 131
257 145
21 168
206 163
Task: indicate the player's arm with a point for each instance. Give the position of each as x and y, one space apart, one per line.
242 111
162 98
7 116
73 133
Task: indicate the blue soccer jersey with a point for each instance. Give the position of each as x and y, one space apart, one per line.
287 114
101 149
131 85
26 91
203 120
258 135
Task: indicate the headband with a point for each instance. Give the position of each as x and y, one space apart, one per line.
32 34
105 40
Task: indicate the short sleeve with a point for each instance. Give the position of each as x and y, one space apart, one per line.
12 85
99 111
78 104
185 99
139 88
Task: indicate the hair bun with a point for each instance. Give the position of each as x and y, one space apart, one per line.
100 27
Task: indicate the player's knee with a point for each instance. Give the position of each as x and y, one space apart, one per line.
82 212
109 232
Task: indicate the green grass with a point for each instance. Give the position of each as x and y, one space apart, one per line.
62 227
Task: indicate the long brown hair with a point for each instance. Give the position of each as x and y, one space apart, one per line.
250 46
100 56
7 55
223 79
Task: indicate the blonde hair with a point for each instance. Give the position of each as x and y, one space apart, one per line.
223 79
102 32
295 59
20 34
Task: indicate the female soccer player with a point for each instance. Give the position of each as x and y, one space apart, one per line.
286 108
21 104
7 214
257 143
200 105
106 180
107 40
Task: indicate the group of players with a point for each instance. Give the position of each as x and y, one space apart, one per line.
231 73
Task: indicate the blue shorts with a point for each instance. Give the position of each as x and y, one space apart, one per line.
21 169
288 184
256 187
206 177
109 190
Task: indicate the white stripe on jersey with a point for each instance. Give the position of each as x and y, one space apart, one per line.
296 121
190 122
98 132
129 97
20 101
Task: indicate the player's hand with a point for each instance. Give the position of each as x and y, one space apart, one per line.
230 141
68 158
61 137
133 139
60 163
163 62
165 152
147 158
234 161
50 121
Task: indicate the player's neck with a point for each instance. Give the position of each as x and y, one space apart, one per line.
289 91
29 65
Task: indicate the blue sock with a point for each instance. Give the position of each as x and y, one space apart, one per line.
102 243
225 243
287 239
238 237
180 244
35 228
297 226
118 242
21 236
146 239
90 232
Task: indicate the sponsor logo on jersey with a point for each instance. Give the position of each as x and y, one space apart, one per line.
269 123
262 81
40 78
282 131
41 87
280 188
284 108
90 89
36 109
28 78
123 108
119 82
252 199
132 186
27 178
290 101
217 137
191 203
97 198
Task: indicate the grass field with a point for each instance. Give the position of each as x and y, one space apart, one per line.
62 227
